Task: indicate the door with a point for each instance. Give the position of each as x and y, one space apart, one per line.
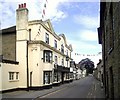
62 77
30 79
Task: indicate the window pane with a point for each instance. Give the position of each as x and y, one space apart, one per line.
47 38
55 59
55 44
47 77
48 56
17 75
11 75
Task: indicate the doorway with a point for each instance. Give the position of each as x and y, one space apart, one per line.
30 79
111 82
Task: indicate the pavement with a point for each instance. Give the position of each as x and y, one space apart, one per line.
96 92
32 94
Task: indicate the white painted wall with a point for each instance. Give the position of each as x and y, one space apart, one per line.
6 83
1 76
21 53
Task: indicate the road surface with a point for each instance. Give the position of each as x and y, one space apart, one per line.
87 87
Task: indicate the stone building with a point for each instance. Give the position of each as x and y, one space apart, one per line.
33 55
98 72
110 32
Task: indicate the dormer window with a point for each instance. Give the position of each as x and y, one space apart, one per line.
47 38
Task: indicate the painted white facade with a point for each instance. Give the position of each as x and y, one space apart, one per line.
36 57
79 73
6 83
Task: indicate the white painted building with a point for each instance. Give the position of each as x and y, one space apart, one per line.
42 57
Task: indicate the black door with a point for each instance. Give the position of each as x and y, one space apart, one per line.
30 79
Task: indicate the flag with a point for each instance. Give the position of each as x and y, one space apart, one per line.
44 9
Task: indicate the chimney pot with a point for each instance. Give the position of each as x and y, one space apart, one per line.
24 5
19 6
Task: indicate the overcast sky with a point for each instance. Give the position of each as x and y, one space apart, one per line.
77 19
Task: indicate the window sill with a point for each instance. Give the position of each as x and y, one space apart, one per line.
47 84
13 80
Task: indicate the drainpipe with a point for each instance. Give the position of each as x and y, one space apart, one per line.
27 67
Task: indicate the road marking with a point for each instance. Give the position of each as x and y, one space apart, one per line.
51 93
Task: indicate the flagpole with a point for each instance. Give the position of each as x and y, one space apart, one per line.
45 2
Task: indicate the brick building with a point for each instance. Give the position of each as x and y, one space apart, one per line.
109 37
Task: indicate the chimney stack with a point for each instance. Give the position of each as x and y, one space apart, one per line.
22 5
21 17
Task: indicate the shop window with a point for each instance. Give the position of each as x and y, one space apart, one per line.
55 79
47 77
59 76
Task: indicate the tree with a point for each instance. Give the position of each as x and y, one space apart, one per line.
87 64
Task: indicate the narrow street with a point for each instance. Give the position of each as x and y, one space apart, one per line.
87 87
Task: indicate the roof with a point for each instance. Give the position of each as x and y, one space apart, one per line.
9 30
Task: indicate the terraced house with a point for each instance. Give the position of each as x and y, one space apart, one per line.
36 57
109 37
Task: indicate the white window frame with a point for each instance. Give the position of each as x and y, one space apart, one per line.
11 76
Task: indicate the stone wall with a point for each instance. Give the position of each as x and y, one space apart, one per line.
9 43
111 46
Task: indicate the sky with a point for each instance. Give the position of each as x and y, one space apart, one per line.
77 19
